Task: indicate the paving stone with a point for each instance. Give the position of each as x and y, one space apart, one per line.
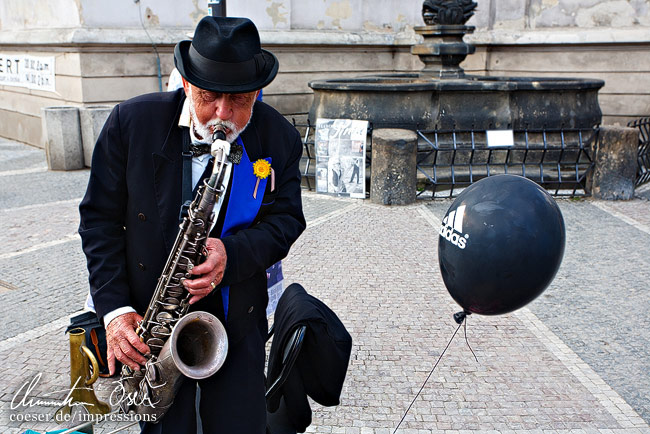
575 360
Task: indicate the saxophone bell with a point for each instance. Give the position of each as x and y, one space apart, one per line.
196 348
198 345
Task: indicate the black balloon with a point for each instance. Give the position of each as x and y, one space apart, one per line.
501 244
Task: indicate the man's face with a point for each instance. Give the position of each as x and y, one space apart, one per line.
209 110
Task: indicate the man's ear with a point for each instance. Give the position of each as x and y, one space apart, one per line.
186 87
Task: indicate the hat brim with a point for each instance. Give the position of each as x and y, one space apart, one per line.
184 66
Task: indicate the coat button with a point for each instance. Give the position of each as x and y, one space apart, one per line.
141 266
250 309
142 217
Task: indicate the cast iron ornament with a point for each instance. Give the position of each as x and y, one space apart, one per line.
447 12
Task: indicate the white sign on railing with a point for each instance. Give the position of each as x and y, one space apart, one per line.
27 71
500 138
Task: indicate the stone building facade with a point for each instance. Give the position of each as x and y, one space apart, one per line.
105 52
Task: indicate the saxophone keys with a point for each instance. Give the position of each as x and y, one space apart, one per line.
170 304
152 374
164 318
154 343
145 391
185 263
160 332
175 292
176 278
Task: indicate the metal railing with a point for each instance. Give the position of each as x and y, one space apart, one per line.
560 160
643 156
308 159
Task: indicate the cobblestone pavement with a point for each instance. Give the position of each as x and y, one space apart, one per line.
574 360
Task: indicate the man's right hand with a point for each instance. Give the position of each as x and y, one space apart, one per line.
123 342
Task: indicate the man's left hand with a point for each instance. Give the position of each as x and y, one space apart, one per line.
210 271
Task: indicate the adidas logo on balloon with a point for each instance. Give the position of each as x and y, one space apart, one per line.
452 228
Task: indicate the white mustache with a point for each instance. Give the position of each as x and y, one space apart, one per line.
207 130
215 125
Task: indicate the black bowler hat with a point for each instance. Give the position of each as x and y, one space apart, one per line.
225 56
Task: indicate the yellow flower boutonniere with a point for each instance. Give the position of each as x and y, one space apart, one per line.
261 169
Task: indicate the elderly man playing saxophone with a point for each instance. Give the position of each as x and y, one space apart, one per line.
139 179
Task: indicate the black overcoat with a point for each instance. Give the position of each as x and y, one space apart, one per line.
129 215
321 365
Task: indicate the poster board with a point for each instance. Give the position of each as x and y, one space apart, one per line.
341 157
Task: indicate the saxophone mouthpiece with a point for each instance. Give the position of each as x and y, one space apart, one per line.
218 134
220 148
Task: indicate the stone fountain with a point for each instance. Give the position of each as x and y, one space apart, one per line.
442 96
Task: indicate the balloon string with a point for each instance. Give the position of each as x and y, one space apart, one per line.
429 376
467 341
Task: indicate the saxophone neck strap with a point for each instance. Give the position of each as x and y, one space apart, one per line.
187 176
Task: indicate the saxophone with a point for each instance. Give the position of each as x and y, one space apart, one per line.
182 345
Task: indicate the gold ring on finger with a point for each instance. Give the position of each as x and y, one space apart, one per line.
213 285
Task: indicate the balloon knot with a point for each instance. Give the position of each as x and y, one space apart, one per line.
459 317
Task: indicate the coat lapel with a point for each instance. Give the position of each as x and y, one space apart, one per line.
168 172
252 142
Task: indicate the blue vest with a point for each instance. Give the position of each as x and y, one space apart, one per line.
242 206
